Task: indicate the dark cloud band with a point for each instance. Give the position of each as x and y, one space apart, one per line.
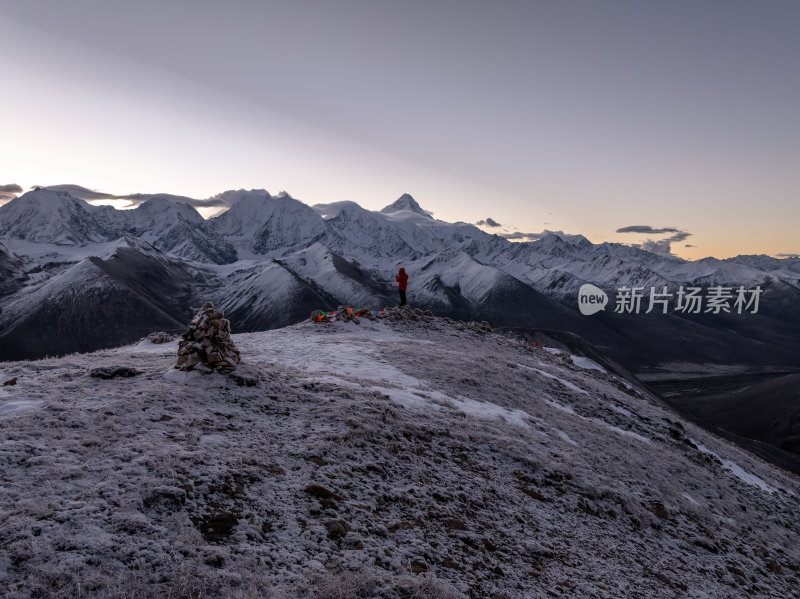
647 229
657 246
526 236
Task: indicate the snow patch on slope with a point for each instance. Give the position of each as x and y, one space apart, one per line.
350 360
13 406
588 364
566 383
735 469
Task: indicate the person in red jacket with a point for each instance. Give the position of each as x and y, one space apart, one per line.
402 281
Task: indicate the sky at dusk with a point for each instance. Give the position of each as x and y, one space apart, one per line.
670 124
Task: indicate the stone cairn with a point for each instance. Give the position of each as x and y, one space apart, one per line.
207 344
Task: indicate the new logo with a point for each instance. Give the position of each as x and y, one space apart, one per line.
591 299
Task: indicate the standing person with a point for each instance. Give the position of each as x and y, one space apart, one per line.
402 281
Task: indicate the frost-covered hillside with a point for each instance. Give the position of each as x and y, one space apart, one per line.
410 457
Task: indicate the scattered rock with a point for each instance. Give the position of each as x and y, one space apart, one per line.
418 566
670 581
215 528
354 542
736 570
161 337
273 469
535 494
658 509
215 561
10 382
536 549
337 529
165 498
110 372
772 565
406 313
244 381
325 496
455 524
207 343
321 492
705 544
566 584
402 525
589 507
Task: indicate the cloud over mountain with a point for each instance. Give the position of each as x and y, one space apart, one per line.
488 222
647 229
9 191
83 193
657 246
222 200
520 236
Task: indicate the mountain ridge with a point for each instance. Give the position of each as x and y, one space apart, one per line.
341 253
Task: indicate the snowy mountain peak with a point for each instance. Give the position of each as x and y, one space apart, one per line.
578 240
406 202
334 209
45 197
47 216
262 223
549 241
555 238
159 204
254 209
236 196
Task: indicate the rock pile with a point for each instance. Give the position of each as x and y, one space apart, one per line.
345 314
399 314
110 372
207 344
160 337
405 313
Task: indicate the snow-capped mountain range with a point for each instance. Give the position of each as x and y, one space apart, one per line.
270 260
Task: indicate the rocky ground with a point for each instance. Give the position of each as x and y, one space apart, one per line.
409 457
